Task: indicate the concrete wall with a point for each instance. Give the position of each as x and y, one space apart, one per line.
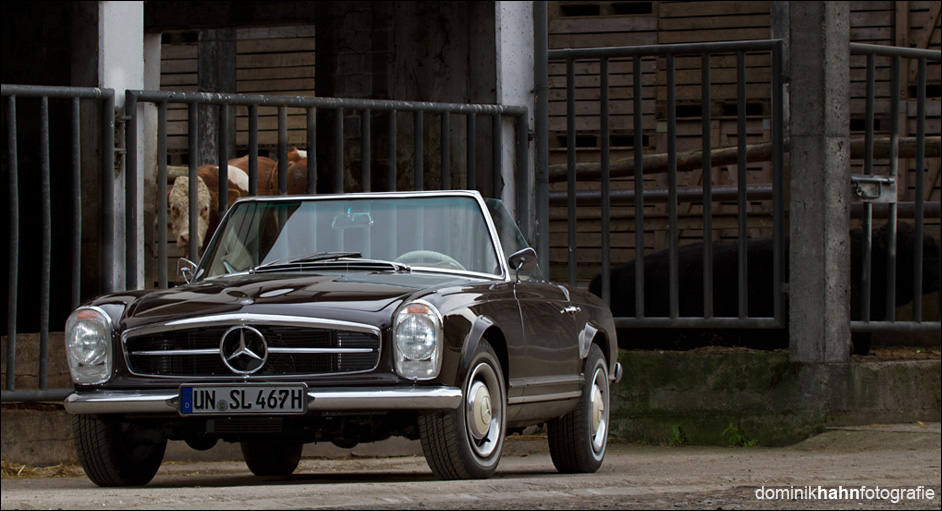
696 396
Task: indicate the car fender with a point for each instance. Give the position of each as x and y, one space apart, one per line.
475 334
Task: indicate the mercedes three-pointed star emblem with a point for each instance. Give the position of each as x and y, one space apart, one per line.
243 349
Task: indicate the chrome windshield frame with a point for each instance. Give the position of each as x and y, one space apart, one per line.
504 274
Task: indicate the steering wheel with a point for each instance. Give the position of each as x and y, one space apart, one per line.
417 256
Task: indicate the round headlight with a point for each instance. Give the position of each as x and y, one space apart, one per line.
417 335
88 345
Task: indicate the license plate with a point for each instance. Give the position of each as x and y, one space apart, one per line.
243 399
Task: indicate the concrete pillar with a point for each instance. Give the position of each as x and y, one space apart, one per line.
121 67
819 292
147 155
515 86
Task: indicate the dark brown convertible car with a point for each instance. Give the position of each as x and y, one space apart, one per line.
347 319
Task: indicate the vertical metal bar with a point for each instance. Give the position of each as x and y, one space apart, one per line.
162 195
638 143
778 180
130 193
672 185
606 182
365 150
338 151
76 204
311 150
707 147
541 121
571 166
523 186
46 249
445 139
497 150
107 194
866 271
418 140
391 152
13 265
895 72
253 151
193 137
283 150
222 147
471 148
920 188
742 183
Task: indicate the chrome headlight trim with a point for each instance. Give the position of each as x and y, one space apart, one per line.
418 339
89 335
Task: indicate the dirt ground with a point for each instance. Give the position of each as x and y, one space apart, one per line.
878 457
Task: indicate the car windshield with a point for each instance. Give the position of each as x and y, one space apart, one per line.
441 233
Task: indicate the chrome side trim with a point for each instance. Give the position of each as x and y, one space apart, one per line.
576 379
544 397
163 402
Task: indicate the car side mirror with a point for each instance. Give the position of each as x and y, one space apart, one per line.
522 259
187 269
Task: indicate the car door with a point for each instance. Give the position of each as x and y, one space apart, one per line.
550 328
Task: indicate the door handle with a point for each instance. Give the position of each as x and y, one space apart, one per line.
572 309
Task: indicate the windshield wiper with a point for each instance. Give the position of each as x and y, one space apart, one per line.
317 256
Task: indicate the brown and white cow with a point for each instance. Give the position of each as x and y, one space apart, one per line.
178 200
297 175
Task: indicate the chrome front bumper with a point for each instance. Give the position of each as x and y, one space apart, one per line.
319 400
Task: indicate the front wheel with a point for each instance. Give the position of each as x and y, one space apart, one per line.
117 453
578 439
466 443
267 458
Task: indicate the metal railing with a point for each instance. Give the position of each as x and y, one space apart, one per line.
889 182
673 194
105 99
311 105
132 179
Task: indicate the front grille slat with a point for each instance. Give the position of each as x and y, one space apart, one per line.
194 352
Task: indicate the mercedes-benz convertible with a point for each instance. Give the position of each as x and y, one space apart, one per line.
346 319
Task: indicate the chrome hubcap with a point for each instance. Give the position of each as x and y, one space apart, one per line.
480 407
598 409
483 410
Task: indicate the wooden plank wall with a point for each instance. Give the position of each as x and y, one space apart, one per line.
274 61
610 23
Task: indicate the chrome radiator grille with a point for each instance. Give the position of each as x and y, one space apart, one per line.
290 351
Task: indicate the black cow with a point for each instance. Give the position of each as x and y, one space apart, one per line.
760 290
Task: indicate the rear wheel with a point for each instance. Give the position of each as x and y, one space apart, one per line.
267 458
578 439
466 443
115 452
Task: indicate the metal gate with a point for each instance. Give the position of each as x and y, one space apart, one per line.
874 189
419 111
589 185
60 165
639 196
515 126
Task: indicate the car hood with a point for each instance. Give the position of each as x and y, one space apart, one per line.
304 294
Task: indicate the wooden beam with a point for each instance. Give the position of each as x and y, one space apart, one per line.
657 163
922 40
